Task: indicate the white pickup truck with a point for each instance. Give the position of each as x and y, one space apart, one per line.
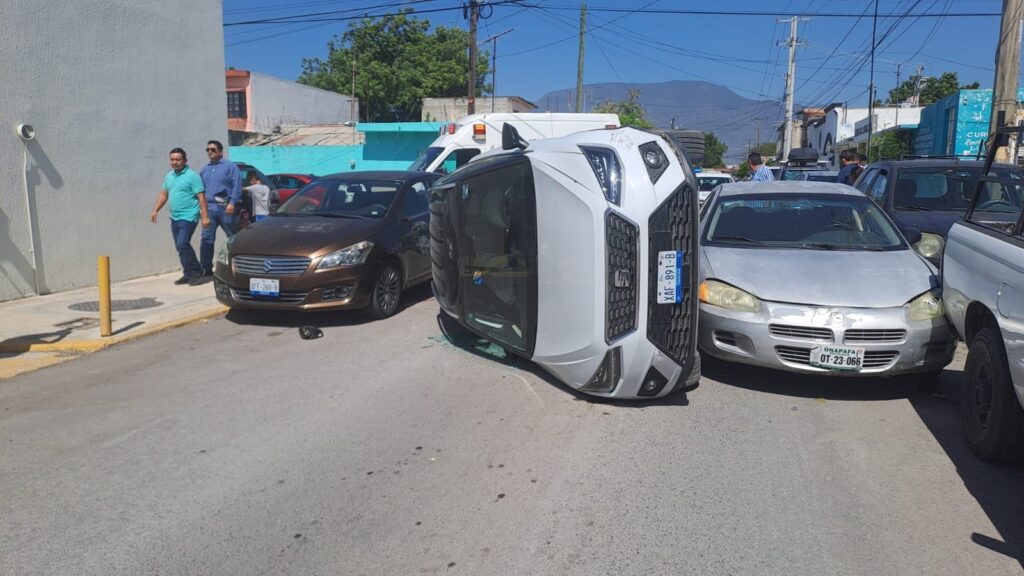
983 294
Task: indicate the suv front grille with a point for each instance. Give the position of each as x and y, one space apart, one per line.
622 254
672 327
271 265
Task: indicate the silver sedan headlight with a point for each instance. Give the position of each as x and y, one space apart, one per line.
930 245
353 255
723 295
927 306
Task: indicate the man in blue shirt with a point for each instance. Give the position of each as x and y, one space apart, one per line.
223 186
184 190
848 160
761 172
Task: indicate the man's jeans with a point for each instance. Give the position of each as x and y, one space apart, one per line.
182 231
218 218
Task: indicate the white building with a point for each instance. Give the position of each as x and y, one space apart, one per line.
838 124
109 86
262 104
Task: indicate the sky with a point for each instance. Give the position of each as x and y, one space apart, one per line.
643 41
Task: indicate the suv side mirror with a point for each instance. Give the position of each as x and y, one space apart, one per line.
912 234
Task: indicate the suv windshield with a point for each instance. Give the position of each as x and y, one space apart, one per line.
817 221
341 197
946 188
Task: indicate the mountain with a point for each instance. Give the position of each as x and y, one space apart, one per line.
692 103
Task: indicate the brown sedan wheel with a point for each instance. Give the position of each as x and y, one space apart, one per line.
992 417
387 291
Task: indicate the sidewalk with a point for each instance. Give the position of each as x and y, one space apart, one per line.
42 330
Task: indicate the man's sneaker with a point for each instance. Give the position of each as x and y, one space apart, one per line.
197 280
183 280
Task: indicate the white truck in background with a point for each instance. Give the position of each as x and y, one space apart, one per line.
460 141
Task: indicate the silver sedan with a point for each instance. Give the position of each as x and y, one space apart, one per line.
813 277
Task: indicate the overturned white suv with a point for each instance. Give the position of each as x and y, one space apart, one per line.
579 253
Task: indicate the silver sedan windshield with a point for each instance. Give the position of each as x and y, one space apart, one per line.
815 221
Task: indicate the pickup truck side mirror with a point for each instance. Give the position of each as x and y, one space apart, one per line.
913 235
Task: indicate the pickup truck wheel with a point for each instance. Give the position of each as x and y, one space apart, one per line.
991 414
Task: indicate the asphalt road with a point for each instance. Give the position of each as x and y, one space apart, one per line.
235 447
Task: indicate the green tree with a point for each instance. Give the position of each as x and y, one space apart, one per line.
630 111
886 145
714 149
742 171
932 89
767 150
398 62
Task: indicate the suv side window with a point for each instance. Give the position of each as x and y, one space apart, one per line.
878 188
864 184
416 201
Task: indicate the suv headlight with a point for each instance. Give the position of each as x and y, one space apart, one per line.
930 245
608 170
927 306
723 295
354 255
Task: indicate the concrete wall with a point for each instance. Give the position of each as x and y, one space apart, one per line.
273 101
451 109
110 86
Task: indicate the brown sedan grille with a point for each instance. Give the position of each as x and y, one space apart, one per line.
284 298
273 266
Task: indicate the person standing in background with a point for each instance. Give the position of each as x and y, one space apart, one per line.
260 195
848 160
183 189
223 196
760 172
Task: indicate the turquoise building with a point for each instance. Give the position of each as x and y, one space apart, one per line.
957 125
389 146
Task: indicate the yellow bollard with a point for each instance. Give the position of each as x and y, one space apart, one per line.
103 263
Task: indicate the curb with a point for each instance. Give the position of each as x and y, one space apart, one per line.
85 346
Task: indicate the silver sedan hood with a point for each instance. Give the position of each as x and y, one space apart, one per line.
821 277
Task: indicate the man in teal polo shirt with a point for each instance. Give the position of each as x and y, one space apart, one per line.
183 188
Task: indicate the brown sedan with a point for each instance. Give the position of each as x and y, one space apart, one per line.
350 240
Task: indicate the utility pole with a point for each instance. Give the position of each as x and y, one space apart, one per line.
474 14
494 63
352 102
1004 88
792 42
757 124
871 83
579 61
897 102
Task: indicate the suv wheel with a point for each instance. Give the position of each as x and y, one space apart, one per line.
992 417
387 291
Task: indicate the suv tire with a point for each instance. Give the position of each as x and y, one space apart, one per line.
991 414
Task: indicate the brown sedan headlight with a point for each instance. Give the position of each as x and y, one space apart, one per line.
353 255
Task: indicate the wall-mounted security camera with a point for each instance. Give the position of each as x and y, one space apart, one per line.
25 131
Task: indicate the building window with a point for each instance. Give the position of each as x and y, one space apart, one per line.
236 105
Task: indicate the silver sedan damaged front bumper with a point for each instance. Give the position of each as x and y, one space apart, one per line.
782 336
